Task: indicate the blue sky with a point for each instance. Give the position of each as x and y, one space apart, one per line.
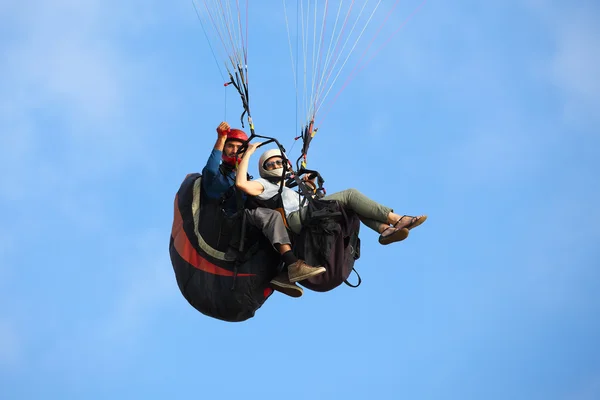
482 115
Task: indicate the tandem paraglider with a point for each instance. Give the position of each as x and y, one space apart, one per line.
237 240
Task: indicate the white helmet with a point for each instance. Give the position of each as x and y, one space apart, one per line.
274 173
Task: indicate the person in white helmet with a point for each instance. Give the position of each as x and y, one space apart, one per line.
391 227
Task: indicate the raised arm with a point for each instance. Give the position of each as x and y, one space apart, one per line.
213 182
251 188
211 169
222 131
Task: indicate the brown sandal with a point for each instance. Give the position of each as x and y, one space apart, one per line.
396 236
414 222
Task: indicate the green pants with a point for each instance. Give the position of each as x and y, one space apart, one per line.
371 214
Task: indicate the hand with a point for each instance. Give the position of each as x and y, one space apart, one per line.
306 178
223 129
309 182
252 148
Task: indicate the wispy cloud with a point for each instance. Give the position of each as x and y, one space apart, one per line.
71 91
75 109
574 66
74 113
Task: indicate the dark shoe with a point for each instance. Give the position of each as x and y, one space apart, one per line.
282 284
300 270
396 236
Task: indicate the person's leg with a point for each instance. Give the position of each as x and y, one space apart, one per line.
271 224
376 216
371 213
295 218
399 229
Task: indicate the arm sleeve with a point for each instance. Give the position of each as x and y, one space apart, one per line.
213 182
211 169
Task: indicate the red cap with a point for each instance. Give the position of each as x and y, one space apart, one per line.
237 134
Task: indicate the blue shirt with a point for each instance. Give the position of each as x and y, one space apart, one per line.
215 183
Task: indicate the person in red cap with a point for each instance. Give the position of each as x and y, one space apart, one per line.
218 183
218 176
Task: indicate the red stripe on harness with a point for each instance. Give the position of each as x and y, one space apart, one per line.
188 253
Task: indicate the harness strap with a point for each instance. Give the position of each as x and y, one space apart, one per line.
240 211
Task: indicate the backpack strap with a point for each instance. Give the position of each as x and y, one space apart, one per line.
359 279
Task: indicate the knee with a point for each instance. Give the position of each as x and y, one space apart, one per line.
273 215
351 192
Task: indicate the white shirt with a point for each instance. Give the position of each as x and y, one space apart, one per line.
291 199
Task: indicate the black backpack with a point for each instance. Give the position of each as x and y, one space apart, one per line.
329 238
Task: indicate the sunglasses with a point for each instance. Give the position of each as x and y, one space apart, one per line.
275 163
